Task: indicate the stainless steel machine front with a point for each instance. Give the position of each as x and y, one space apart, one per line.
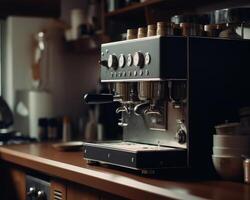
172 91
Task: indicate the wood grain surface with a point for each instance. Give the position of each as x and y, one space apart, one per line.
72 167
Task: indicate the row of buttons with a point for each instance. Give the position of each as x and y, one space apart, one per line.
130 73
138 59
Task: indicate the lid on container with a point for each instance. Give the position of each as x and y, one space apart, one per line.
42 122
244 111
151 27
227 125
131 33
52 122
142 32
189 18
209 27
230 15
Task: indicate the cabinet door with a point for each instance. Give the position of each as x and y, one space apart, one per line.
78 192
12 182
57 190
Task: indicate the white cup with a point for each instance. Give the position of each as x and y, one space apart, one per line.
231 141
77 17
225 151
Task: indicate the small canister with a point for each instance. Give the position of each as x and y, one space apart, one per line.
151 30
131 34
190 29
246 166
164 28
142 32
213 30
43 129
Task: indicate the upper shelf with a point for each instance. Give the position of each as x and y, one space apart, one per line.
168 5
133 7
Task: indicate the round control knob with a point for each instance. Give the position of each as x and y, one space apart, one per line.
147 59
138 59
181 136
122 61
41 195
130 60
31 192
112 62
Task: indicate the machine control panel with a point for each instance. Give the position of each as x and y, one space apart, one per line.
152 58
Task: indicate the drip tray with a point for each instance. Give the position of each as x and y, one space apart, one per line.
135 156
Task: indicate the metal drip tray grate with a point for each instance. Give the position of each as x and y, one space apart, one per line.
135 155
135 147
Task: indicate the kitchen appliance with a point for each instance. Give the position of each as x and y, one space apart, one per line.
30 106
7 134
6 116
229 19
6 121
37 189
191 84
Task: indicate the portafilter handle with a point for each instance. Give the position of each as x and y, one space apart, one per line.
141 108
98 98
103 63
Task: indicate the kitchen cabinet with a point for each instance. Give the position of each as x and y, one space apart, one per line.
58 190
71 178
79 192
12 182
13 186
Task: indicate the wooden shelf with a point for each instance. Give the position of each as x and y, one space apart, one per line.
170 4
133 7
152 11
141 14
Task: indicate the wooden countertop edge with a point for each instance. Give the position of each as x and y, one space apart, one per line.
115 184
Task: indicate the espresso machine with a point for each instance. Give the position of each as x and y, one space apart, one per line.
172 91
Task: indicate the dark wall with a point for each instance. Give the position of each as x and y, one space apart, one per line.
43 8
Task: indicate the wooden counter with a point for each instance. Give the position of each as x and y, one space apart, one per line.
70 166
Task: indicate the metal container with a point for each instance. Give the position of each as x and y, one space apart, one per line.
190 29
142 32
246 165
232 18
148 90
122 90
164 29
131 34
189 25
227 129
213 30
151 30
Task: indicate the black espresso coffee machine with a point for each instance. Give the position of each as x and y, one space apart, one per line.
172 91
